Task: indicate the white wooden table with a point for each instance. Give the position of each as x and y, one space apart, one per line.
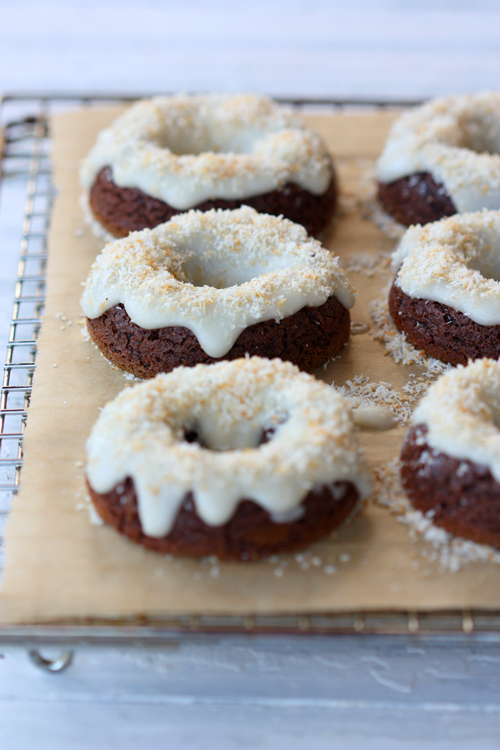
241 692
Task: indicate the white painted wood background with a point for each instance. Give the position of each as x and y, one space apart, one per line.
266 693
399 48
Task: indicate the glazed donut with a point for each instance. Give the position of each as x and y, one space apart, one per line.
241 460
446 294
169 154
450 461
442 158
217 284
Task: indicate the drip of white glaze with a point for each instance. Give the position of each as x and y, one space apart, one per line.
184 149
456 262
462 413
141 435
457 140
215 273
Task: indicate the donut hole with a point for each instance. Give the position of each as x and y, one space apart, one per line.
205 271
242 435
194 144
267 434
196 139
191 436
484 256
203 265
491 404
481 133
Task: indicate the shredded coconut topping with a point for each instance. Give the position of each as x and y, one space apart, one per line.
462 414
216 273
455 262
185 149
457 140
230 406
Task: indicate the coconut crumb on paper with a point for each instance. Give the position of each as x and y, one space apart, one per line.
348 204
361 392
367 263
129 375
449 552
87 505
82 324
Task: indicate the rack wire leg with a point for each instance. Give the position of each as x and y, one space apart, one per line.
58 664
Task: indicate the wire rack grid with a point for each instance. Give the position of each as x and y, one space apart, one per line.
25 162
25 166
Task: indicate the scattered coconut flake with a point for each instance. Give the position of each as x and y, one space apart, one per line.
348 204
367 263
451 553
364 395
95 518
130 376
329 569
374 418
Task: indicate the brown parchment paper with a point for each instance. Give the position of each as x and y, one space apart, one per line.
60 566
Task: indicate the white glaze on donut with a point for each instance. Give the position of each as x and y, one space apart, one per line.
456 262
462 413
457 140
216 273
141 435
184 149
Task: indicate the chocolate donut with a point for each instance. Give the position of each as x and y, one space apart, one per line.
445 296
308 338
124 210
241 460
450 467
170 154
217 285
442 158
250 534
440 331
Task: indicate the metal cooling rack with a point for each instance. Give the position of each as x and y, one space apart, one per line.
24 166
25 169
